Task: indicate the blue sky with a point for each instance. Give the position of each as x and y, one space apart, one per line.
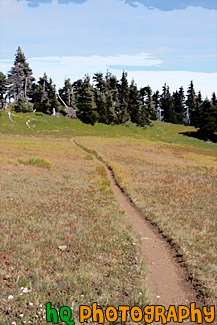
155 41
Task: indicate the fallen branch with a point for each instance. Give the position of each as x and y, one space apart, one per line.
27 123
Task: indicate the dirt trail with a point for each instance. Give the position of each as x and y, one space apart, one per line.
166 277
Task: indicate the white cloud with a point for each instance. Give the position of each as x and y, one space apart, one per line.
75 67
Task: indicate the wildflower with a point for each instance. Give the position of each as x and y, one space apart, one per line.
10 297
24 290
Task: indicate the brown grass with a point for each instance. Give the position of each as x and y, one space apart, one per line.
176 187
70 204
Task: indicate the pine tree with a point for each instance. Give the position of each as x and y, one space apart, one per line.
146 93
100 95
207 120
196 111
167 105
123 114
179 105
191 103
44 96
85 103
66 93
3 89
134 102
214 99
113 104
156 101
20 77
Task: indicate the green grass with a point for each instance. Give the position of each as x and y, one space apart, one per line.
45 125
41 162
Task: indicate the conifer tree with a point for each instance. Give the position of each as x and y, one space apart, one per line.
156 101
214 99
113 104
66 93
206 120
85 102
20 77
134 102
167 105
101 98
44 96
123 114
190 103
179 105
3 89
146 93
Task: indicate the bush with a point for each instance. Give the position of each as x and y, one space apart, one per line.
23 106
40 162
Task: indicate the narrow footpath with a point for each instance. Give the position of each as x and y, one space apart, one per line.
167 279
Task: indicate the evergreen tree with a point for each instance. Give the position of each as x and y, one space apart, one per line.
156 102
214 99
20 77
207 120
123 114
100 94
66 93
23 105
179 105
3 89
44 96
195 113
167 105
146 93
113 104
191 103
85 103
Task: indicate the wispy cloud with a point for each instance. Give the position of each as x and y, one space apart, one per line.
165 5
75 67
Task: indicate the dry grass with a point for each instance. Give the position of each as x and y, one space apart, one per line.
70 204
176 187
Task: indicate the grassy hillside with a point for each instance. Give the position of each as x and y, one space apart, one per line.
66 127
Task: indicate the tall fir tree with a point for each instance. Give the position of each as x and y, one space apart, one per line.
85 103
178 99
156 102
113 104
100 95
66 93
44 96
123 114
191 104
20 77
206 120
146 93
167 105
3 89
214 99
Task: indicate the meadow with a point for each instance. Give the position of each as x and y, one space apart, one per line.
59 214
175 185
63 238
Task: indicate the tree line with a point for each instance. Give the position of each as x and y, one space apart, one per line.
106 99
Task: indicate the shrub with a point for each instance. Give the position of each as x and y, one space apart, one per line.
41 162
23 105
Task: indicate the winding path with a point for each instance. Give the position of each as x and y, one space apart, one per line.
167 279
